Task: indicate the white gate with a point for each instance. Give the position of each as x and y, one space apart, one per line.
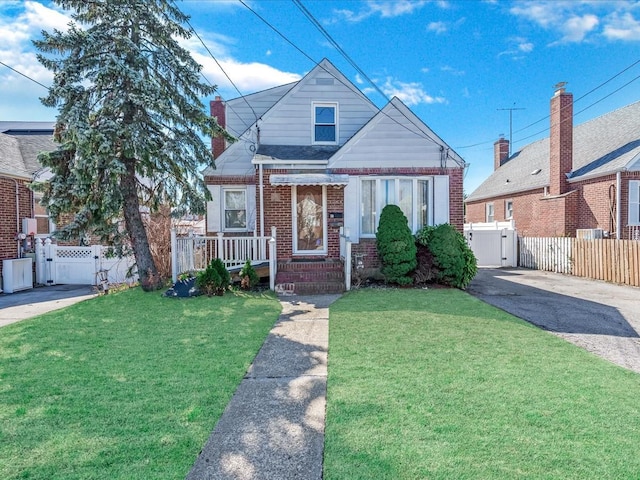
79 265
494 244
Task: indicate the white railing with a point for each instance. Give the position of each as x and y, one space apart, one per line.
345 256
194 253
633 232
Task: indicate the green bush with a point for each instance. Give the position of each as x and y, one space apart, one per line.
214 279
454 263
396 246
248 276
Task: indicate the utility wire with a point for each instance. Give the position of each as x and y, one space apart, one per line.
575 101
419 133
24 75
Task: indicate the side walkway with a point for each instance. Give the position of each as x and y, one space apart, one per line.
273 428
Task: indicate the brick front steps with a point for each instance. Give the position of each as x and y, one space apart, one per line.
310 277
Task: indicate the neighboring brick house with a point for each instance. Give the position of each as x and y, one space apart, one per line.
583 177
20 143
317 154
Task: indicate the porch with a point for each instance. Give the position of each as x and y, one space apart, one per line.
193 253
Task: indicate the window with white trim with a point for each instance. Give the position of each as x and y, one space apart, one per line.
235 209
489 212
634 202
325 123
508 209
410 194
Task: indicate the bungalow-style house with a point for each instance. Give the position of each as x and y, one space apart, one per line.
316 155
20 143
582 180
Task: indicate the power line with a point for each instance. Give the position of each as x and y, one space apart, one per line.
24 75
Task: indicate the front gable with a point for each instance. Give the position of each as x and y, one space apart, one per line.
291 121
395 138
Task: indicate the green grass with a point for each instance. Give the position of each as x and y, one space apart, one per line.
124 386
438 385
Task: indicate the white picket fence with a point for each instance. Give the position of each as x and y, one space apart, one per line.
552 254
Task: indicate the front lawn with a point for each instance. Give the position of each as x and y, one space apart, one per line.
124 386
435 384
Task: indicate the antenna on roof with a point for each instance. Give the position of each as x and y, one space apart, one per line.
511 124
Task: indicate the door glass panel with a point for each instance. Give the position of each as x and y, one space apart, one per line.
368 213
309 218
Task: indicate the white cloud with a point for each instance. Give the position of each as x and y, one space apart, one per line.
384 8
411 93
576 27
622 27
359 80
452 71
518 46
424 70
437 27
578 21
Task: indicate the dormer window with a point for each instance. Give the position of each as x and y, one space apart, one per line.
325 118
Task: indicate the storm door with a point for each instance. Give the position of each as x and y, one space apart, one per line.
309 220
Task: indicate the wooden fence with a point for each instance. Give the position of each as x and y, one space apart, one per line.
616 261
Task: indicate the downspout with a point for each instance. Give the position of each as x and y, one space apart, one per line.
618 203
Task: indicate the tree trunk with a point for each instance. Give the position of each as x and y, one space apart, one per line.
149 278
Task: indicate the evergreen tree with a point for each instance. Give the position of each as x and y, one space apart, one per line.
396 246
129 121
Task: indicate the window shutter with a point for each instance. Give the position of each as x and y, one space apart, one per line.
440 199
634 202
352 208
252 213
214 213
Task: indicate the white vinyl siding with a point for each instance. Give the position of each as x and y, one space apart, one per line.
414 196
634 202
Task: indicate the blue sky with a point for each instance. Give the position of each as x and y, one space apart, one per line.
457 64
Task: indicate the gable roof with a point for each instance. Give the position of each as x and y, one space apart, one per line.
19 152
398 126
601 146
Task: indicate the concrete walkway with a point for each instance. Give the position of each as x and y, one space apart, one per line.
36 301
273 428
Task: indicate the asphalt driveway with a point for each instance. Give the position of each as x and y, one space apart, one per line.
36 301
601 317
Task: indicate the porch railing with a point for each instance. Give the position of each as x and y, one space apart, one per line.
194 253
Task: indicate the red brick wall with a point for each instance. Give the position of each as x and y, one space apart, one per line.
587 206
218 111
8 225
278 204
560 142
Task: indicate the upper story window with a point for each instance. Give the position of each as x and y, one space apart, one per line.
325 123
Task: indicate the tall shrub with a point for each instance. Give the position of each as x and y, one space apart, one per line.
454 262
396 246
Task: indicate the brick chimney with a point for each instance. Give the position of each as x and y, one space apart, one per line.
561 141
218 111
500 152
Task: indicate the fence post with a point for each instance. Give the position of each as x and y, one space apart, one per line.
174 256
40 262
49 252
273 265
